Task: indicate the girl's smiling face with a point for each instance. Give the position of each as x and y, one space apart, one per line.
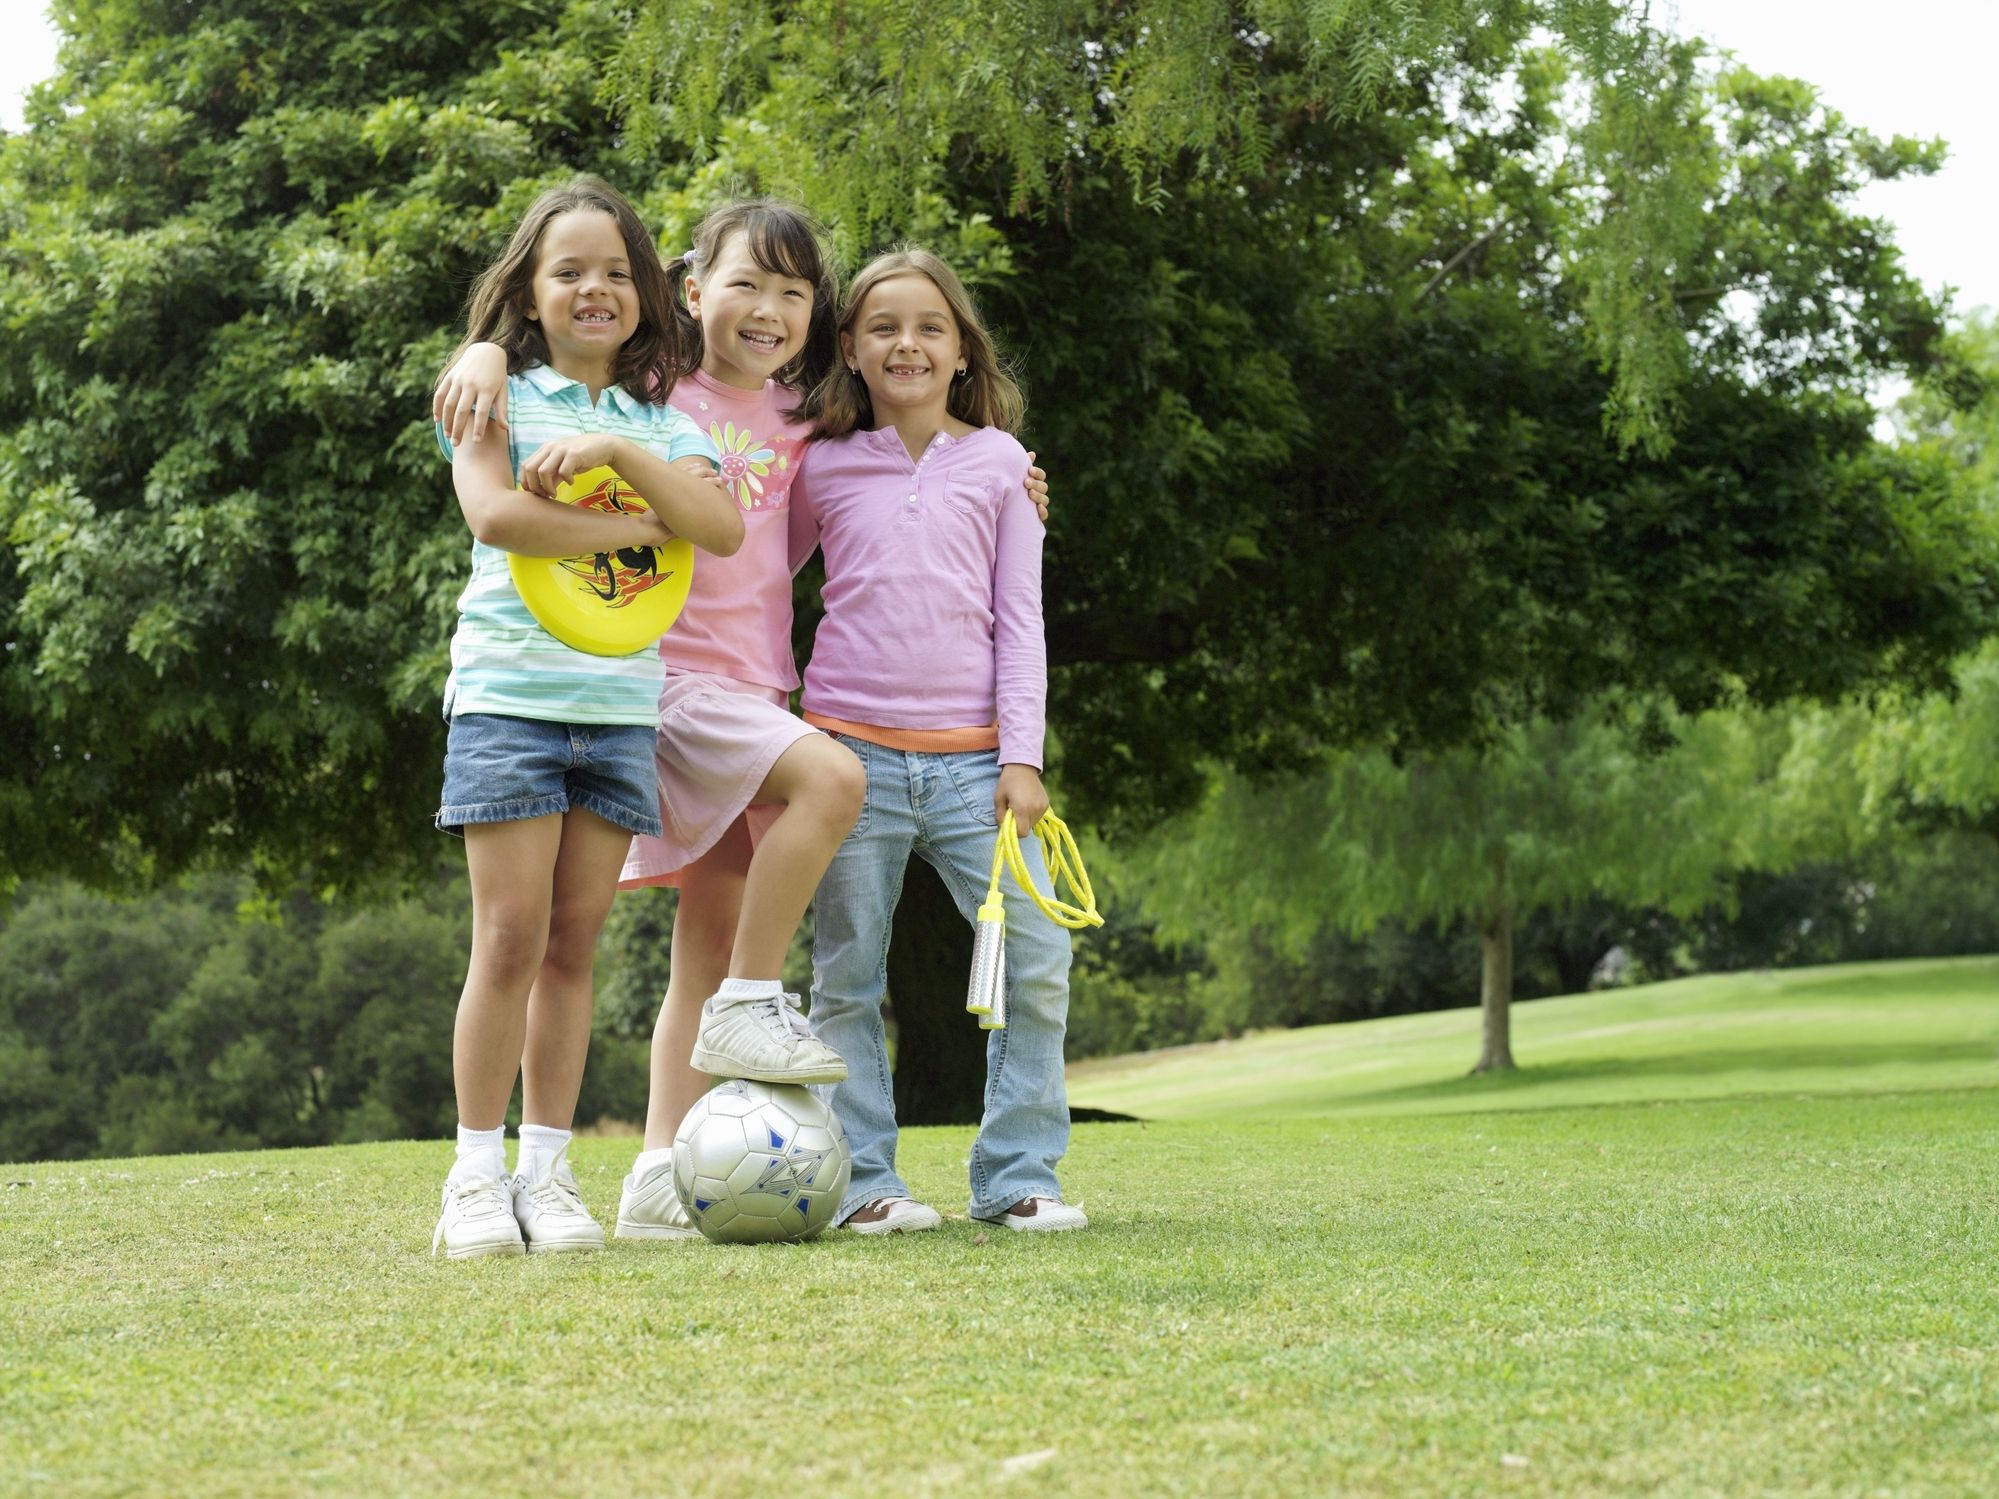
753 322
906 345
583 294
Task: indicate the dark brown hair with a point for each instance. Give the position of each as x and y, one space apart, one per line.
497 311
986 396
783 240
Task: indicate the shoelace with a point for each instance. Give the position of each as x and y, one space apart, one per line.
493 1196
784 1009
557 1191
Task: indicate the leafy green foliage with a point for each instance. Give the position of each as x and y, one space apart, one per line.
235 240
198 1018
1306 317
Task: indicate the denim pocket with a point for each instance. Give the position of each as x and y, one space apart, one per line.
976 775
860 747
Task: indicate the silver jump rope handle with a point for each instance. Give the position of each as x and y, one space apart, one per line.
995 1017
986 991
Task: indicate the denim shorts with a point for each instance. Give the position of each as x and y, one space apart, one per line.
502 769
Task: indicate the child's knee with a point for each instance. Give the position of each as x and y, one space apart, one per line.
572 937
839 785
510 944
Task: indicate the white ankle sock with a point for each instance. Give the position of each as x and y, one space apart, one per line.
648 1159
733 989
541 1150
482 1153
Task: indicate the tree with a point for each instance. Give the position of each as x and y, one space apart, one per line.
232 553
1555 814
235 240
1039 94
1335 349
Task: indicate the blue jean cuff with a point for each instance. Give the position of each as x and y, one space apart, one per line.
520 809
628 818
985 1216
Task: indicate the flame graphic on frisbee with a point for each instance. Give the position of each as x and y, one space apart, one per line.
606 603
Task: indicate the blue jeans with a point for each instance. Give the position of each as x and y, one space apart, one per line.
498 768
941 807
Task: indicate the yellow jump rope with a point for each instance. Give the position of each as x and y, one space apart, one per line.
986 997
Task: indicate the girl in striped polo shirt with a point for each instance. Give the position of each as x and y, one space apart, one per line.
548 770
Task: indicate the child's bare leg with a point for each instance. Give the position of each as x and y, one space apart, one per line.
822 786
558 1013
512 867
704 930
750 1027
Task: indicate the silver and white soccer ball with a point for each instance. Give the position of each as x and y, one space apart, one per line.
758 1162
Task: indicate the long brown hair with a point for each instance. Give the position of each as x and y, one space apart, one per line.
783 240
987 395
497 311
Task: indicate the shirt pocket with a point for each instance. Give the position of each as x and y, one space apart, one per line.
971 496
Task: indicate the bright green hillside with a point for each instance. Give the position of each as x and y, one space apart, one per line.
1857 1027
1761 1257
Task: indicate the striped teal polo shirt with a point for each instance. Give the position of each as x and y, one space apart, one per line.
502 660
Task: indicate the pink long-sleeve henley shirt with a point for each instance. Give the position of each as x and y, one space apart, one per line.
933 586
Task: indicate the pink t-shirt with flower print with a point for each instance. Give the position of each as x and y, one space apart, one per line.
737 618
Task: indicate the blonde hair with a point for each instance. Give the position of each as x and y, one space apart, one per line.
987 395
497 310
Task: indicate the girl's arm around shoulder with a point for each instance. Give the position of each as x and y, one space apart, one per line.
521 520
803 516
471 391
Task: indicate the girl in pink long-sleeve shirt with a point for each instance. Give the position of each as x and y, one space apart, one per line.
930 666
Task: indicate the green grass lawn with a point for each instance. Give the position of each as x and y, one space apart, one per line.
1696 1253
1855 1027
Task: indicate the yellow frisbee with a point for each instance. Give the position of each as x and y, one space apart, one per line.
606 603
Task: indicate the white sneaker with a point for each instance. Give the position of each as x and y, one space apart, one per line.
650 1208
892 1215
478 1220
765 1040
1041 1215
551 1213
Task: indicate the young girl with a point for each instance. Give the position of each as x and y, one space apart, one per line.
755 802
930 666
548 770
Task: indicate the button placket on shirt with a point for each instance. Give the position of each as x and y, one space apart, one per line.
916 474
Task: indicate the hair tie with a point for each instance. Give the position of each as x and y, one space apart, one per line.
692 257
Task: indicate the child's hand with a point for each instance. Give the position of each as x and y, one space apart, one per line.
1021 793
565 458
472 390
1037 488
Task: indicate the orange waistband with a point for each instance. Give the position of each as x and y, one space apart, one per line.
921 741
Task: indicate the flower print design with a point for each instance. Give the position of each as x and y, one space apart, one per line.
746 462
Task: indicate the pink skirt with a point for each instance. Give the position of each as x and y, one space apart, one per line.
718 739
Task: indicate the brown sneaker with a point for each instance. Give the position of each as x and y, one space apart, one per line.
892 1215
1042 1215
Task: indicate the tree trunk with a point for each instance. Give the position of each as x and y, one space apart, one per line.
940 1052
1495 949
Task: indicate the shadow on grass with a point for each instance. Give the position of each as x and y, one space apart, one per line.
1802 1057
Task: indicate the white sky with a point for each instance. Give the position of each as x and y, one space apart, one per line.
1916 67
1913 67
